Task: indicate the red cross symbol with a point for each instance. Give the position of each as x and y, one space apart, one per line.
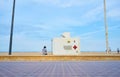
75 47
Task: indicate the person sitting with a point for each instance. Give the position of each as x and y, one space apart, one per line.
44 50
118 50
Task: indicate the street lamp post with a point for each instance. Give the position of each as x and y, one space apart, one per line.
106 28
11 32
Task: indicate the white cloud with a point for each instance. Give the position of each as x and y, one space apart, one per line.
92 45
114 27
89 35
47 1
114 13
65 3
5 4
4 43
113 9
23 43
92 15
1 3
65 21
57 24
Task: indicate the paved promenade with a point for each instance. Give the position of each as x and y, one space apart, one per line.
60 69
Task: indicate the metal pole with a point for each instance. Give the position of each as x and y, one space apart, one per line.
106 28
11 32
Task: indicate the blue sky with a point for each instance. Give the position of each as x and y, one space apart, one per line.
38 21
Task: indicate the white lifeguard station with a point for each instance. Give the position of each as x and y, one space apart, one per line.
66 45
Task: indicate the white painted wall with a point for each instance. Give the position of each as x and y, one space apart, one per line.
64 46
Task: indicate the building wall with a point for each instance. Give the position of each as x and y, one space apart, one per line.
66 46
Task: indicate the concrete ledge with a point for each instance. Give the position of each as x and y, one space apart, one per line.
60 58
37 56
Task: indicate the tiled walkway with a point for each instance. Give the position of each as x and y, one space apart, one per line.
60 69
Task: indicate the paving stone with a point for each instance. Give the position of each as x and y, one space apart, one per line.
60 69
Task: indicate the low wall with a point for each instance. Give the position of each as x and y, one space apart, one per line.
60 58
